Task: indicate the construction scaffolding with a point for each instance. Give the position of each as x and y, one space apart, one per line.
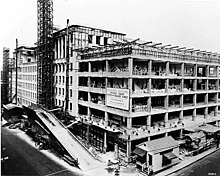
45 53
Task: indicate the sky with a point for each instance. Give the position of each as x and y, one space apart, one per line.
186 23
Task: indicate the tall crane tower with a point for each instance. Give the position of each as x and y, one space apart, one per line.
45 53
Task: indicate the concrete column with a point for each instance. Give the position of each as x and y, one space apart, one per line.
181 101
195 85
149 104
106 65
216 111
181 133
106 118
182 85
150 67
182 69
194 99
128 148
149 86
88 112
206 84
89 66
129 122
89 82
217 84
206 98
194 114
105 142
195 70
205 112
167 68
166 134
207 71
166 102
148 138
166 118
130 80
216 97
148 121
130 66
181 116
166 85
106 86
217 71
89 97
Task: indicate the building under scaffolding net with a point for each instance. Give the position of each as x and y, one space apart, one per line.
45 53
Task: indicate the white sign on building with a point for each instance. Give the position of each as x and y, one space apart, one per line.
118 98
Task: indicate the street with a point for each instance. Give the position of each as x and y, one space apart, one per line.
23 159
207 166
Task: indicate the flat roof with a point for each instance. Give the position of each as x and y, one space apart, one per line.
209 128
159 145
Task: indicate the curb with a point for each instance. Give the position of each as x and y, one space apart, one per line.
190 163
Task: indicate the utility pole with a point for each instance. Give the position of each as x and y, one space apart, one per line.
67 68
16 76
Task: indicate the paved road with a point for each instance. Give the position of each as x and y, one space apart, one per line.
85 159
208 166
25 159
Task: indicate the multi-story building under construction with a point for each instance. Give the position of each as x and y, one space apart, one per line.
135 92
126 92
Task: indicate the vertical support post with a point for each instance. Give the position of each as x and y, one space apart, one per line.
194 99
207 71
205 112
167 86
181 116
166 118
182 69
195 85
216 111
194 115
166 102
181 133
167 68
129 122
130 80
89 66
130 65
105 142
195 70
150 67
148 121
106 118
128 147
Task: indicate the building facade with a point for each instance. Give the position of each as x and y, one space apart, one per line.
79 38
27 76
146 91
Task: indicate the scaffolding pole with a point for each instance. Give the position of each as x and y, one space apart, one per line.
45 53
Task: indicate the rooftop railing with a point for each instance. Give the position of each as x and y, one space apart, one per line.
149 52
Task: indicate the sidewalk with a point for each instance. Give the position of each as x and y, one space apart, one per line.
186 162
